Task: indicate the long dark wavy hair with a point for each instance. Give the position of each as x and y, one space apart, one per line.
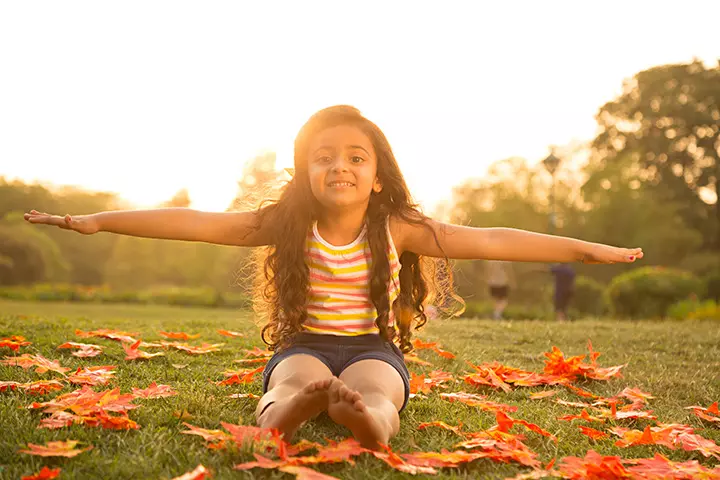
282 279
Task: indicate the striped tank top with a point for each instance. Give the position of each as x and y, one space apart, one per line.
339 300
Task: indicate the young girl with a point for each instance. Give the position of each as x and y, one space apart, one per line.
344 275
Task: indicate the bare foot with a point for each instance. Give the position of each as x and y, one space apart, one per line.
288 414
347 408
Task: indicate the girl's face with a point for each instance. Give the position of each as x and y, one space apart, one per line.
342 166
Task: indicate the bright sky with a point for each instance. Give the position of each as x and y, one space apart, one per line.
147 97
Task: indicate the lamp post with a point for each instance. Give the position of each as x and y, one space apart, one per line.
551 163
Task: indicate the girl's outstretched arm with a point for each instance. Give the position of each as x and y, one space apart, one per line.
503 244
227 228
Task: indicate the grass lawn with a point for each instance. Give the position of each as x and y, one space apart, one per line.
677 362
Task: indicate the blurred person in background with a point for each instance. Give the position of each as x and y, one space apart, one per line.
500 279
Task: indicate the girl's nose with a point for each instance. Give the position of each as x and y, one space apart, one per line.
339 165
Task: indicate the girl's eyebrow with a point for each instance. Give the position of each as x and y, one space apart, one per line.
359 148
352 147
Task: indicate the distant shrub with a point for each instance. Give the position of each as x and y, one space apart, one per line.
712 286
512 312
695 310
589 298
650 291
160 295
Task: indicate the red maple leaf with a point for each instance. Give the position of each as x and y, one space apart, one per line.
44 474
179 335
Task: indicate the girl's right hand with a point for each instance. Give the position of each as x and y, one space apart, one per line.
85 224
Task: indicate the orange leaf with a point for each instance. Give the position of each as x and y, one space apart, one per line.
154 391
545 394
92 376
14 342
442 425
704 413
133 353
200 473
44 474
593 466
397 462
108 333
592 433
230 333
55 449
304 473
179 335
209 435
84 349
43 364
258 352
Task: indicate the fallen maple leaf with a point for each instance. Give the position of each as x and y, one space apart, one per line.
41 363
243 377
179 335
397 462
55 449
479 401
252 360
154 391
304 473
200 473
505 422
592 433
14 342
545 394
258 352
210 436
442 425
660 468
133 353
442 459
39 387
195 350
99 375
230 333
635 395
704 413
44 474
593 466
84 349
117 335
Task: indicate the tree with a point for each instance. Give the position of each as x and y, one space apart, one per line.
665 128
28 254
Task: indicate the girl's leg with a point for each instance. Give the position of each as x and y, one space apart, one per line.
366 399
297 391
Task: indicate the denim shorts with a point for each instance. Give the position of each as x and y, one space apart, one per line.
339 352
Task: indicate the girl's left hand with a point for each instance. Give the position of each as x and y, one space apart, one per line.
599 253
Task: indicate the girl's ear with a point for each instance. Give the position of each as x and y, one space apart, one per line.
377 186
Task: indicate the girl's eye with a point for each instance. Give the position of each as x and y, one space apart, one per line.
324 159
357 159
